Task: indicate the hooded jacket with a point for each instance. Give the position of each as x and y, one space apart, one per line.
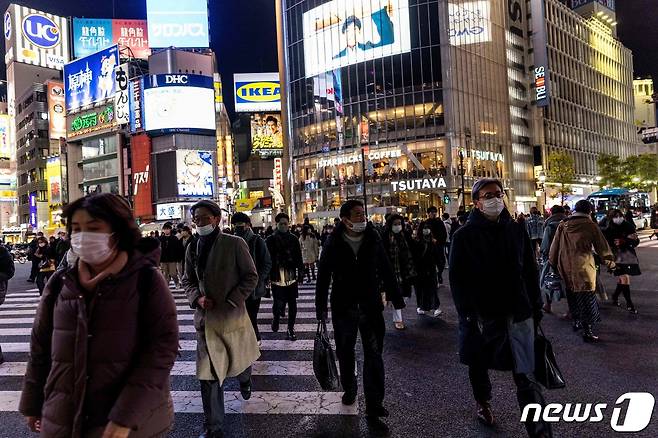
571 252
103 355
550 227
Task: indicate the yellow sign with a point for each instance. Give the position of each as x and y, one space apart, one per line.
256 194
259 92
54 180
9 195
245 204
219 98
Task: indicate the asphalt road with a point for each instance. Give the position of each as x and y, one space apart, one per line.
427 389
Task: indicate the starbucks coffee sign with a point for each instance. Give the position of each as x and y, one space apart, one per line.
418 184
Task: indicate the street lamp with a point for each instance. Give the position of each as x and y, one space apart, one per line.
461 171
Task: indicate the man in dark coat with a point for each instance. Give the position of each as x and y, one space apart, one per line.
172 254
494 283
287 272
187 239
354 263
440 235
31 250
261 257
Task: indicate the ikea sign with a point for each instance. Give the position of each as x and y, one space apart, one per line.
257 92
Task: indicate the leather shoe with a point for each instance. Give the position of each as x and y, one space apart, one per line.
349 398
485 414
376 411
275 325
291 336
245 390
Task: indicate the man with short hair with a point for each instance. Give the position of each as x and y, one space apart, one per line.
171 256
494 283
354 263
261 257
219 276
286 273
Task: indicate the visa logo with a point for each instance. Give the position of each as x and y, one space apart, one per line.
258 92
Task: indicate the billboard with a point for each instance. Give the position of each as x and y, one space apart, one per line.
136 91
344 32
56 112
142 189
5 144
121 98
169 211
90 80
54 180
179 103
93 34
194 174
90 122
178 23
35 37
469 23
266 135
256 92
540 74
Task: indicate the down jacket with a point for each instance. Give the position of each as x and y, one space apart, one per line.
103 355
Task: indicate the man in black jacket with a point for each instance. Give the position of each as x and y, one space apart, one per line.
7 270
440 234
287 271
31 249
261 257
172 254
494 282
354 263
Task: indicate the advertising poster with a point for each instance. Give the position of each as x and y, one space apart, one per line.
179 103
345 32
98 119
93 34
121 98
194 173
255 92
135 89
90 80
469 23
142 189
54 178
182 24
266 135
36 38
5 144
56 111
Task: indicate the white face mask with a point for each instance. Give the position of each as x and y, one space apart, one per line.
427 231
493 207
92 248
205 230
358 227
618 220
396 228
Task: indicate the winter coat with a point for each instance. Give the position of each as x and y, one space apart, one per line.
625 232
186 243
571 252
438 230
549 280
172 249
355 280
550 227
406 269
261 257
535 226
286 253
103 355
495 287
226 342
310 248
428 256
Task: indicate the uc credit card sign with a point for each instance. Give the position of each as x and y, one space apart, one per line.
257 92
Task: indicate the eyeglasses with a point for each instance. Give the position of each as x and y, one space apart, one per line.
489 195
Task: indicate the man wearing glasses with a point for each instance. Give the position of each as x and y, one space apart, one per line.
494 283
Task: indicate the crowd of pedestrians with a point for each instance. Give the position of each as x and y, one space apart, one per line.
110 287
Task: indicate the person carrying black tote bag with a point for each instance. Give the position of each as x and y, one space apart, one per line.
547 371
324 360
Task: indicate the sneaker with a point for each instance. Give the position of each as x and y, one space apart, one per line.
589 336
349 398
420 311
577 326
437 313
290 335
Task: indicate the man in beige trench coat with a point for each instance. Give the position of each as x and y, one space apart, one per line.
219 276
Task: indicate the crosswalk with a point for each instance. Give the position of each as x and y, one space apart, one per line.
283 380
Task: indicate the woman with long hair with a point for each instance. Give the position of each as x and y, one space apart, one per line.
105 335
623 239
398 248
310 252
427 257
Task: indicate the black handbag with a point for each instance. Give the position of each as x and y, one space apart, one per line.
547 371
324 360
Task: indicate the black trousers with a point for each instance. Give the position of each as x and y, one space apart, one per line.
282 296
42 279
527 391
253 306
34 270
212 398
347 323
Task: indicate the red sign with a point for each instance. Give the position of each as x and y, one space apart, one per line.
132 34
142 189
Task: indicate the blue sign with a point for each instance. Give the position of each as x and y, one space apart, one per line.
7 25
91 35
33 209
41 31
91 79
178 23
178 80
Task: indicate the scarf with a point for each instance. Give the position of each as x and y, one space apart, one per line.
90 283
398 251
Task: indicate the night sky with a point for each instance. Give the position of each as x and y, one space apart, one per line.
243 31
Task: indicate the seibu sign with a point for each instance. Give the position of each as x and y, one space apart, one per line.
418 184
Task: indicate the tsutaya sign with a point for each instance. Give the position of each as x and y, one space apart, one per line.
486 155
418 184
356 157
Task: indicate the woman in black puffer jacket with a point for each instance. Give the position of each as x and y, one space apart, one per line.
623 239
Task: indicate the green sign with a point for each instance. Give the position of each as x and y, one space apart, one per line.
93 121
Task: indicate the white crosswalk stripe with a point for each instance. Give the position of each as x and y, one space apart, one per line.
299 393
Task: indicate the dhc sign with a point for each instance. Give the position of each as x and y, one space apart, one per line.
41 31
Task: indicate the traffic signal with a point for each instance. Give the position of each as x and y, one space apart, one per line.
446 199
